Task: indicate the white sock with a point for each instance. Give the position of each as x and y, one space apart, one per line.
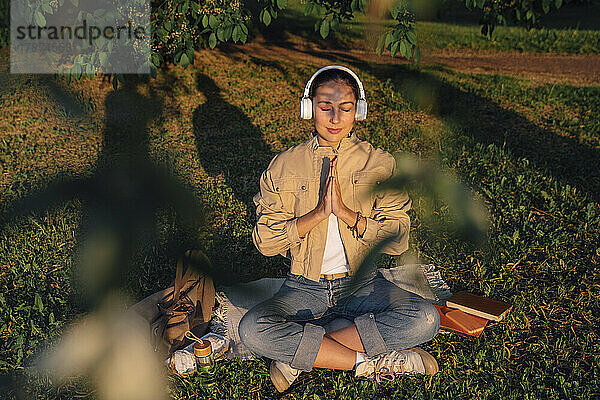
360 357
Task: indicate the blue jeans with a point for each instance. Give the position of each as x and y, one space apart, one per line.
289 326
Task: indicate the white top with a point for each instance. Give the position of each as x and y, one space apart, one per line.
334 257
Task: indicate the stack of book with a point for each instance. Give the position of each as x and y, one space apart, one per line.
468 314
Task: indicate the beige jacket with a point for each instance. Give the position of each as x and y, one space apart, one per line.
291 186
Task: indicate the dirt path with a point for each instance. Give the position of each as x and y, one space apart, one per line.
578 70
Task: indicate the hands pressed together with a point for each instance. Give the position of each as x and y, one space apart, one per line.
331 199
330 203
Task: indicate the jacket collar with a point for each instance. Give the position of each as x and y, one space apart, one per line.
345 143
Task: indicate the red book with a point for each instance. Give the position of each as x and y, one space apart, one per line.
483 307
470 326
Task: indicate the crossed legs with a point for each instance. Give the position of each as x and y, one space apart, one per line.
386 318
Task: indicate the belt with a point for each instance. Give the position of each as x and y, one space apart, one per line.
330 277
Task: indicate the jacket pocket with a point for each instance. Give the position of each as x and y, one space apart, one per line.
293 192
363 184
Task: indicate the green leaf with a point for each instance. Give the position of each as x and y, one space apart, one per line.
266 18
75 3
417 54
546 7
227 33
156 59
161 34
213 22
40 20
558 3
47 9
308 9
281 4
403 48
205 21
334 25
388 39
103 57
529 14
394 48
244 29
220 34
212 40
38 302
412 38
236 33
324 29
184 61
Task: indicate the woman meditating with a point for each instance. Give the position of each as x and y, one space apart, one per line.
316 207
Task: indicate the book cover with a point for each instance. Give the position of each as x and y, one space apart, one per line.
480 306
469 323
446 324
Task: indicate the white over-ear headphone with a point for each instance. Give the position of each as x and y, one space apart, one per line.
306 109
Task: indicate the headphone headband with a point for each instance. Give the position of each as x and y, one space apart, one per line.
342 68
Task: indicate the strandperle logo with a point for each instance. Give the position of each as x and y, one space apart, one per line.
82 32
80 36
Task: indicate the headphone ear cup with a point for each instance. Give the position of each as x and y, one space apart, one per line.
306 108
361 110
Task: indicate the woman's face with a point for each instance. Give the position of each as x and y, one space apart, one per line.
334 107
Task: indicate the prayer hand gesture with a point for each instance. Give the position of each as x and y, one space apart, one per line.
337 204
331 199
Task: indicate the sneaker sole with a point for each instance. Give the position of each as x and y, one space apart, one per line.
279 381
430 363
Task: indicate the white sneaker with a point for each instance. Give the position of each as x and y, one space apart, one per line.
385 366
282 375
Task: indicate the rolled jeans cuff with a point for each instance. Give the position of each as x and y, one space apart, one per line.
369 335
306 354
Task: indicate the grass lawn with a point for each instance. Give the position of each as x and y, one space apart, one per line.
572 30
530 152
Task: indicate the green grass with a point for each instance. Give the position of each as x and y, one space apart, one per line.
531 153
571 31
443 35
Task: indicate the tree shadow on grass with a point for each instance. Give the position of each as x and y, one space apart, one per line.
482 119
228 143
122 198
230 146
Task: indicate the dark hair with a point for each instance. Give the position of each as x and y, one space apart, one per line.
334 75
